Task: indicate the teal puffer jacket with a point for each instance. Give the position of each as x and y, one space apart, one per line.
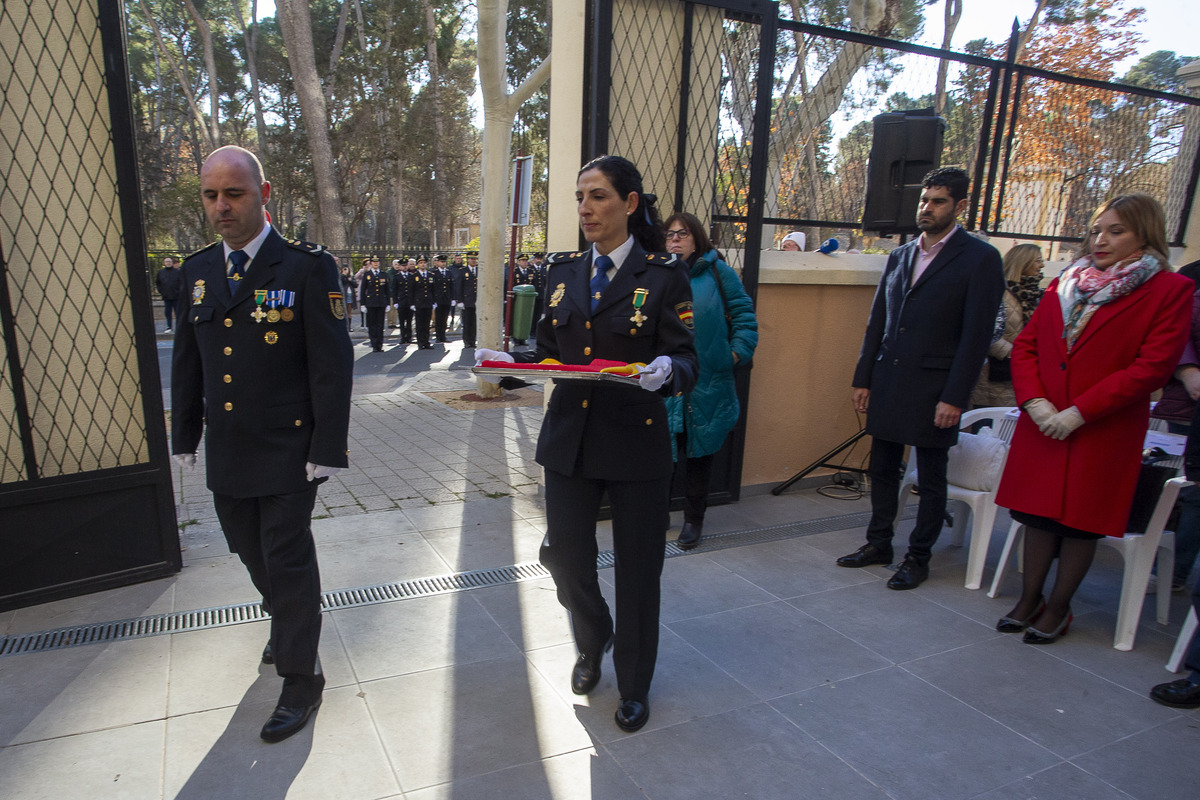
710 411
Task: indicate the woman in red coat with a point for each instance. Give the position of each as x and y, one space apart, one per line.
1107 333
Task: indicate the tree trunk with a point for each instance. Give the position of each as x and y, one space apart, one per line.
296 26
499 111
197 114
435 88
953 14
210 65
250 39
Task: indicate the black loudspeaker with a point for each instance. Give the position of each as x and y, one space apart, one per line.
905 146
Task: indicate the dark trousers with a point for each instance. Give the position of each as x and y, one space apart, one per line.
468 326
537 315
639 513
886 458
1192 656
170 309
375 326
406 323
273 537
422 323
439 320
695 499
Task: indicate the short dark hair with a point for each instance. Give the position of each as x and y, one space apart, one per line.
953 178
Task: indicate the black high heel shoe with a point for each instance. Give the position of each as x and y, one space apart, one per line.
1011 625
1034 636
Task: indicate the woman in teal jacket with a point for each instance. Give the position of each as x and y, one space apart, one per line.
726 335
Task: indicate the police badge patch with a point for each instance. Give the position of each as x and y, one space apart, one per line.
337 304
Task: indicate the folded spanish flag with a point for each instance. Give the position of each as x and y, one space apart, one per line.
597 365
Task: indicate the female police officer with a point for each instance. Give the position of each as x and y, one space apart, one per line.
618 300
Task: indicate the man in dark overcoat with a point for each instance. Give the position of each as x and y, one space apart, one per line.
262 360
927 337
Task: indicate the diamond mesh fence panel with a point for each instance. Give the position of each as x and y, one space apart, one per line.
64 257
686 72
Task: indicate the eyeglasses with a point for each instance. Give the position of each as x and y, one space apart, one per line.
678 234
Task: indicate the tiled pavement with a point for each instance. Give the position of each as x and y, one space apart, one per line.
780 675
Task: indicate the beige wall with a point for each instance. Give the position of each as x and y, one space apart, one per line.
812 310
60 229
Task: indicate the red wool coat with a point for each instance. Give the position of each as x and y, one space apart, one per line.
1127 351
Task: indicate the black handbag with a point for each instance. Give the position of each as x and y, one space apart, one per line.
999 370
1149 488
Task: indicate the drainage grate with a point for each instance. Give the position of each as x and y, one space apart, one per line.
184 621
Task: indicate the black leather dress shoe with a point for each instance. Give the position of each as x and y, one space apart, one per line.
268 656
586 673
910 575
632 714
287 721
689 536
865 556
1183 693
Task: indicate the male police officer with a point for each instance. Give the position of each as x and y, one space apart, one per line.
263 359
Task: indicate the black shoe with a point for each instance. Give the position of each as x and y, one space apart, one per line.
1183 693
865 556
911 574
286 721
586 672
689 537
268 656
632 714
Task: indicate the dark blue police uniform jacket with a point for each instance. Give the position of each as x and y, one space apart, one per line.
602 430
272 384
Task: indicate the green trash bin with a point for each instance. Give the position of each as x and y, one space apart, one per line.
522 315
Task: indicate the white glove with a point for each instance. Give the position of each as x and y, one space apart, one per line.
1040 410
655 374
435 305
186 461
1063 424
412 308
314 471
460 305
483 354
363 309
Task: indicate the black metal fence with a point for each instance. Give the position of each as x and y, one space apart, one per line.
1044 148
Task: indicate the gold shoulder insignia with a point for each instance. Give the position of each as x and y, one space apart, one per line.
204 249
307 247
561 258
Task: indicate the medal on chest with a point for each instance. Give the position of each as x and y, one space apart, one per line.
639 300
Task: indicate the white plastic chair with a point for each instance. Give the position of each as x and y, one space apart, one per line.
1181 644
1139 551
982 504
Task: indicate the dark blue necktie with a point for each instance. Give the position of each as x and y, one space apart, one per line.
600 281
237 268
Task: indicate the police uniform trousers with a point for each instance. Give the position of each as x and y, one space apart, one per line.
422 323
885 466
569 552
272 536
375 315
406 323
440 315
391 316
468 325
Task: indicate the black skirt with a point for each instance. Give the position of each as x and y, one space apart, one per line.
1052 525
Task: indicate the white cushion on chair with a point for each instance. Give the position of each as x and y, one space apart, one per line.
977 461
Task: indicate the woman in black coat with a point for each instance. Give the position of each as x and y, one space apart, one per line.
619 300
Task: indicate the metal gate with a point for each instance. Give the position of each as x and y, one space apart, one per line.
86 501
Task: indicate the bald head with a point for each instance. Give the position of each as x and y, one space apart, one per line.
234 194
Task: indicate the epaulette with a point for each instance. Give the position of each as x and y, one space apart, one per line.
564 257
307 247
204 249
665 259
